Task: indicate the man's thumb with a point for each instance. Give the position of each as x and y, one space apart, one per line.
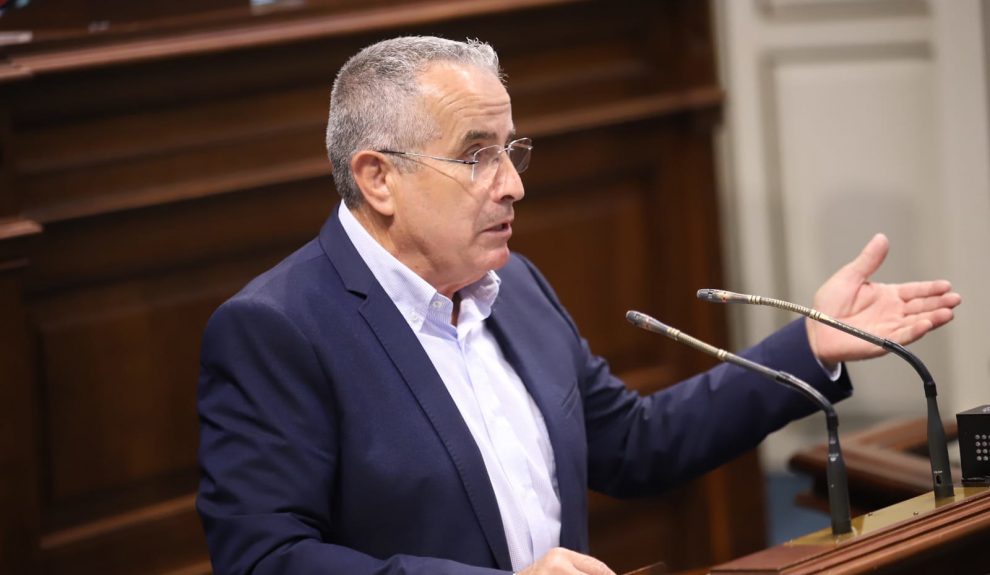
868 261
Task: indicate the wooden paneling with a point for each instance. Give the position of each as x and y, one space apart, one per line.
19 465
151 169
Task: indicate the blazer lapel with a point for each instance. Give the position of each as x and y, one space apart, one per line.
415 367
514 335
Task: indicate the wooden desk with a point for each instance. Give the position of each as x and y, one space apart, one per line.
920 535
901 527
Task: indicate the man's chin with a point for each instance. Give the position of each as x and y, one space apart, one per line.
500 259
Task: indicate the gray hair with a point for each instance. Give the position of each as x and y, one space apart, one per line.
375 103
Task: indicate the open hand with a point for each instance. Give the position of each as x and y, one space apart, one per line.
902 313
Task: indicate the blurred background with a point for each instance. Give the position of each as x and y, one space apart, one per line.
155 156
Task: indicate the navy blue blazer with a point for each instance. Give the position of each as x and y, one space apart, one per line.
330 445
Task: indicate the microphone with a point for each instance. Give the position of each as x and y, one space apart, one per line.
938 449
835 471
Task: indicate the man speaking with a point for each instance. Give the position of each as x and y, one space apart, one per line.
404 395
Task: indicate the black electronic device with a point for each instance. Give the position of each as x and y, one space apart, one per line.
974 445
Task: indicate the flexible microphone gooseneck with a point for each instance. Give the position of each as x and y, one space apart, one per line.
838 485
938 450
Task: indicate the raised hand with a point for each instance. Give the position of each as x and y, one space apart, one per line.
902 313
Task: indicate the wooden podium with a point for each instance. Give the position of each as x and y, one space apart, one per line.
900 528
919 536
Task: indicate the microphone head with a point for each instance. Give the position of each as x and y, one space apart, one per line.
636 318
719 296
643 321
707 294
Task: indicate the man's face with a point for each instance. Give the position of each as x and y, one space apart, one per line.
447 228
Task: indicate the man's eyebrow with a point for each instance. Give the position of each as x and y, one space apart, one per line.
477 135
482 135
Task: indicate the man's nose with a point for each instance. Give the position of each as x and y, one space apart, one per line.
509 184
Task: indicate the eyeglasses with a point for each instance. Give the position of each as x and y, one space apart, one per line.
484 162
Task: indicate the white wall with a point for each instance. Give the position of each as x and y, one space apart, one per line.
845 118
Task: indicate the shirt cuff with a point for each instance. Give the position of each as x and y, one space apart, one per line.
833 374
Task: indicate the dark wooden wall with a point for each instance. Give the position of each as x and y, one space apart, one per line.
151 167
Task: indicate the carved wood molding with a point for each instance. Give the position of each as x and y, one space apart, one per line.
705 98
18 228
23 62
629 110
13 233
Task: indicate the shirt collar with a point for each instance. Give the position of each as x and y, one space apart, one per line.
414 297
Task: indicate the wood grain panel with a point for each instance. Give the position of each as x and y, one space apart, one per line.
157 538
180 234
602 227
122 136
111 425
19 470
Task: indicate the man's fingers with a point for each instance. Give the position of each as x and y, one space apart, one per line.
913 290
560 561
937 317
926 304
911 333
917 326
869 260
591 566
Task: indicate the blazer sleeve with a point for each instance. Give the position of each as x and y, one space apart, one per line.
268 454
643 445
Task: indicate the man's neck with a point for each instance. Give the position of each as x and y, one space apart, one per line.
377 227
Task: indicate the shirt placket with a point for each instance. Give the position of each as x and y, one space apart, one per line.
505 441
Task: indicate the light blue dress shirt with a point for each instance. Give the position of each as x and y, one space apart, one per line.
501 415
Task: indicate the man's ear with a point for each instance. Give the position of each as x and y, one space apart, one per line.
372 173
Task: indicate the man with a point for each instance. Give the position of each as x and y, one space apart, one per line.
383 401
